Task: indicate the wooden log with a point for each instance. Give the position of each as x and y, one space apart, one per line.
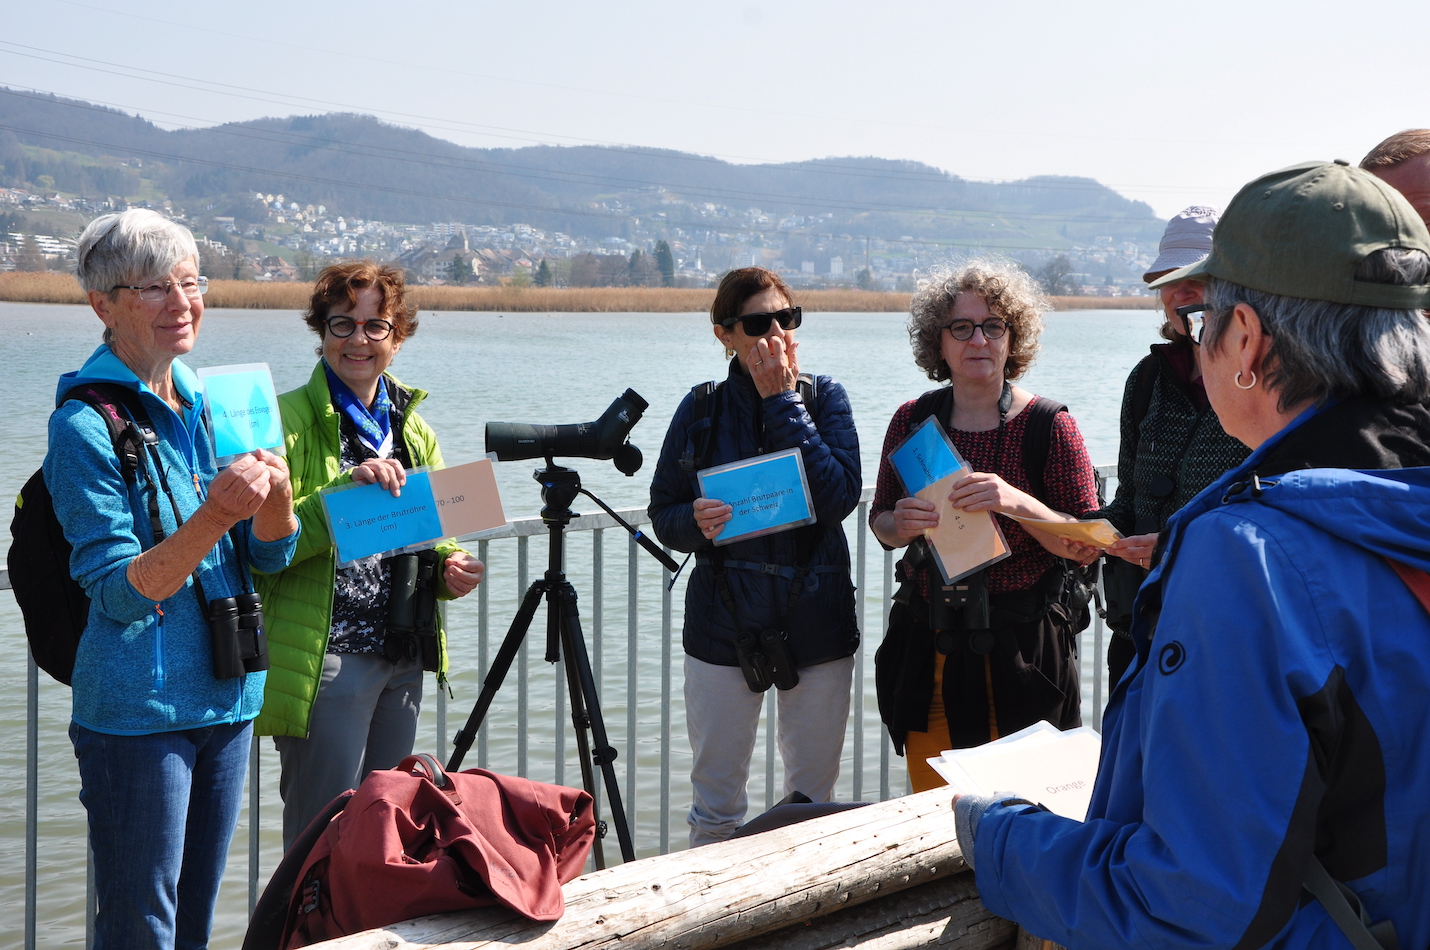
944 913
723 893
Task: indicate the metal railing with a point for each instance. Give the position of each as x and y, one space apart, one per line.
521 531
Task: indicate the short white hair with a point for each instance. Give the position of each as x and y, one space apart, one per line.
131 247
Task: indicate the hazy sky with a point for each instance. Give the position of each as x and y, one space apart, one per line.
1174 104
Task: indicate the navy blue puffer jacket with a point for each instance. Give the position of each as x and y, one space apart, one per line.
822 626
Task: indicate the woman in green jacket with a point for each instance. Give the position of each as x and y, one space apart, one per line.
343 692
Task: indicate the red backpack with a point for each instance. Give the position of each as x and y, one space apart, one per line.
417 840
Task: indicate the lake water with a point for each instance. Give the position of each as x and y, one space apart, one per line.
544 368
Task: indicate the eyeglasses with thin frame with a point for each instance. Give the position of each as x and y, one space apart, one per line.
192 287
344 327
758 324
962 330
1194 321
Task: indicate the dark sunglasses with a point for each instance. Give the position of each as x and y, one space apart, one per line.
1194 322
758 324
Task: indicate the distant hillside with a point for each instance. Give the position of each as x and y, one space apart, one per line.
371 169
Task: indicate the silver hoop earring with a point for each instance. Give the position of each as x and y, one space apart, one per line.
1251 385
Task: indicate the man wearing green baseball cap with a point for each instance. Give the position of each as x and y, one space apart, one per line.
1266 764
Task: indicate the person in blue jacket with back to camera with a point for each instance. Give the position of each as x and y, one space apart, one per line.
1266 760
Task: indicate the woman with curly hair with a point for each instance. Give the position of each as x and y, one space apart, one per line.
947 678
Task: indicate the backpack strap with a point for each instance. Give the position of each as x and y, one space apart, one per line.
124 416
1038 441
130 431
701 430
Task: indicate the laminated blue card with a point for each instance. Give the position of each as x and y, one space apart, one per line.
768 493
242 409
367 519
925 456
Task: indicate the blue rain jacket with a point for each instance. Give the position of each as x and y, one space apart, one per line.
144 667
1277 706
822 626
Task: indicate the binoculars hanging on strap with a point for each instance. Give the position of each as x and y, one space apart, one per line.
412 608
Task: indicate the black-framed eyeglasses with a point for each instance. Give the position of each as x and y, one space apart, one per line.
374 330
1194 321
992 328
192 287
758 324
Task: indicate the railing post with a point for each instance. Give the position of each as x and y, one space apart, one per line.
632 679
483 644
665 661
885 747
597 657
254 814
861 551
521 663
32 794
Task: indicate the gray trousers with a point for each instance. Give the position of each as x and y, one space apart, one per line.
722 716
364 718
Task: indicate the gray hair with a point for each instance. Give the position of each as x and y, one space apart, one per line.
1322 350
131 247
1010 294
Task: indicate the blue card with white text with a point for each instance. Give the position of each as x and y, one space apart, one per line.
242 409
925 457
768 493
367 520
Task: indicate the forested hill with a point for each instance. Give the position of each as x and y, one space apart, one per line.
372 169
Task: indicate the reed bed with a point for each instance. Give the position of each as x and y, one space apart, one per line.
54 287
40 287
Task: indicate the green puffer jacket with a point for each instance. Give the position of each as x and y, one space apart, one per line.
298 601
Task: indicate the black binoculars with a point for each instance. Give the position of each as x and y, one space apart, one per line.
236 634
766 661
412 608
961 606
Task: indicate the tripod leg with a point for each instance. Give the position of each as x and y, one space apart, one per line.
586 714
497 673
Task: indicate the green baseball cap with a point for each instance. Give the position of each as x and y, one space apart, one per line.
1301 232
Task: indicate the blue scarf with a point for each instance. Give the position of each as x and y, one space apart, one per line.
374 427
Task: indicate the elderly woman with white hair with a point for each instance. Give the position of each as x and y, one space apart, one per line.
160 725
1173 445
949 677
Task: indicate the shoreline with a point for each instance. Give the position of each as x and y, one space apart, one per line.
58 288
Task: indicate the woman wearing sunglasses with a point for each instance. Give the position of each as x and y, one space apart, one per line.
343 691
793 586
949 678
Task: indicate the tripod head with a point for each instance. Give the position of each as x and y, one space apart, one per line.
561 485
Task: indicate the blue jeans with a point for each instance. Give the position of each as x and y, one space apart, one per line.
162 808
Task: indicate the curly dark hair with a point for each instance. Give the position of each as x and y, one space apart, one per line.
339 284
1010 293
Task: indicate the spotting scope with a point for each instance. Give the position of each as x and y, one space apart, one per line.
606 438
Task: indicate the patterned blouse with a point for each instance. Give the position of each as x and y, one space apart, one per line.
360 589
1069 478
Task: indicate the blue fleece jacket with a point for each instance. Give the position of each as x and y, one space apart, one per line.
144 667
1276 709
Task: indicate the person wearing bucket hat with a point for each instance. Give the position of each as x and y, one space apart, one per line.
1172 444
1263 765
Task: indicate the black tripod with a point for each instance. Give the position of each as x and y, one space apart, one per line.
559 487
